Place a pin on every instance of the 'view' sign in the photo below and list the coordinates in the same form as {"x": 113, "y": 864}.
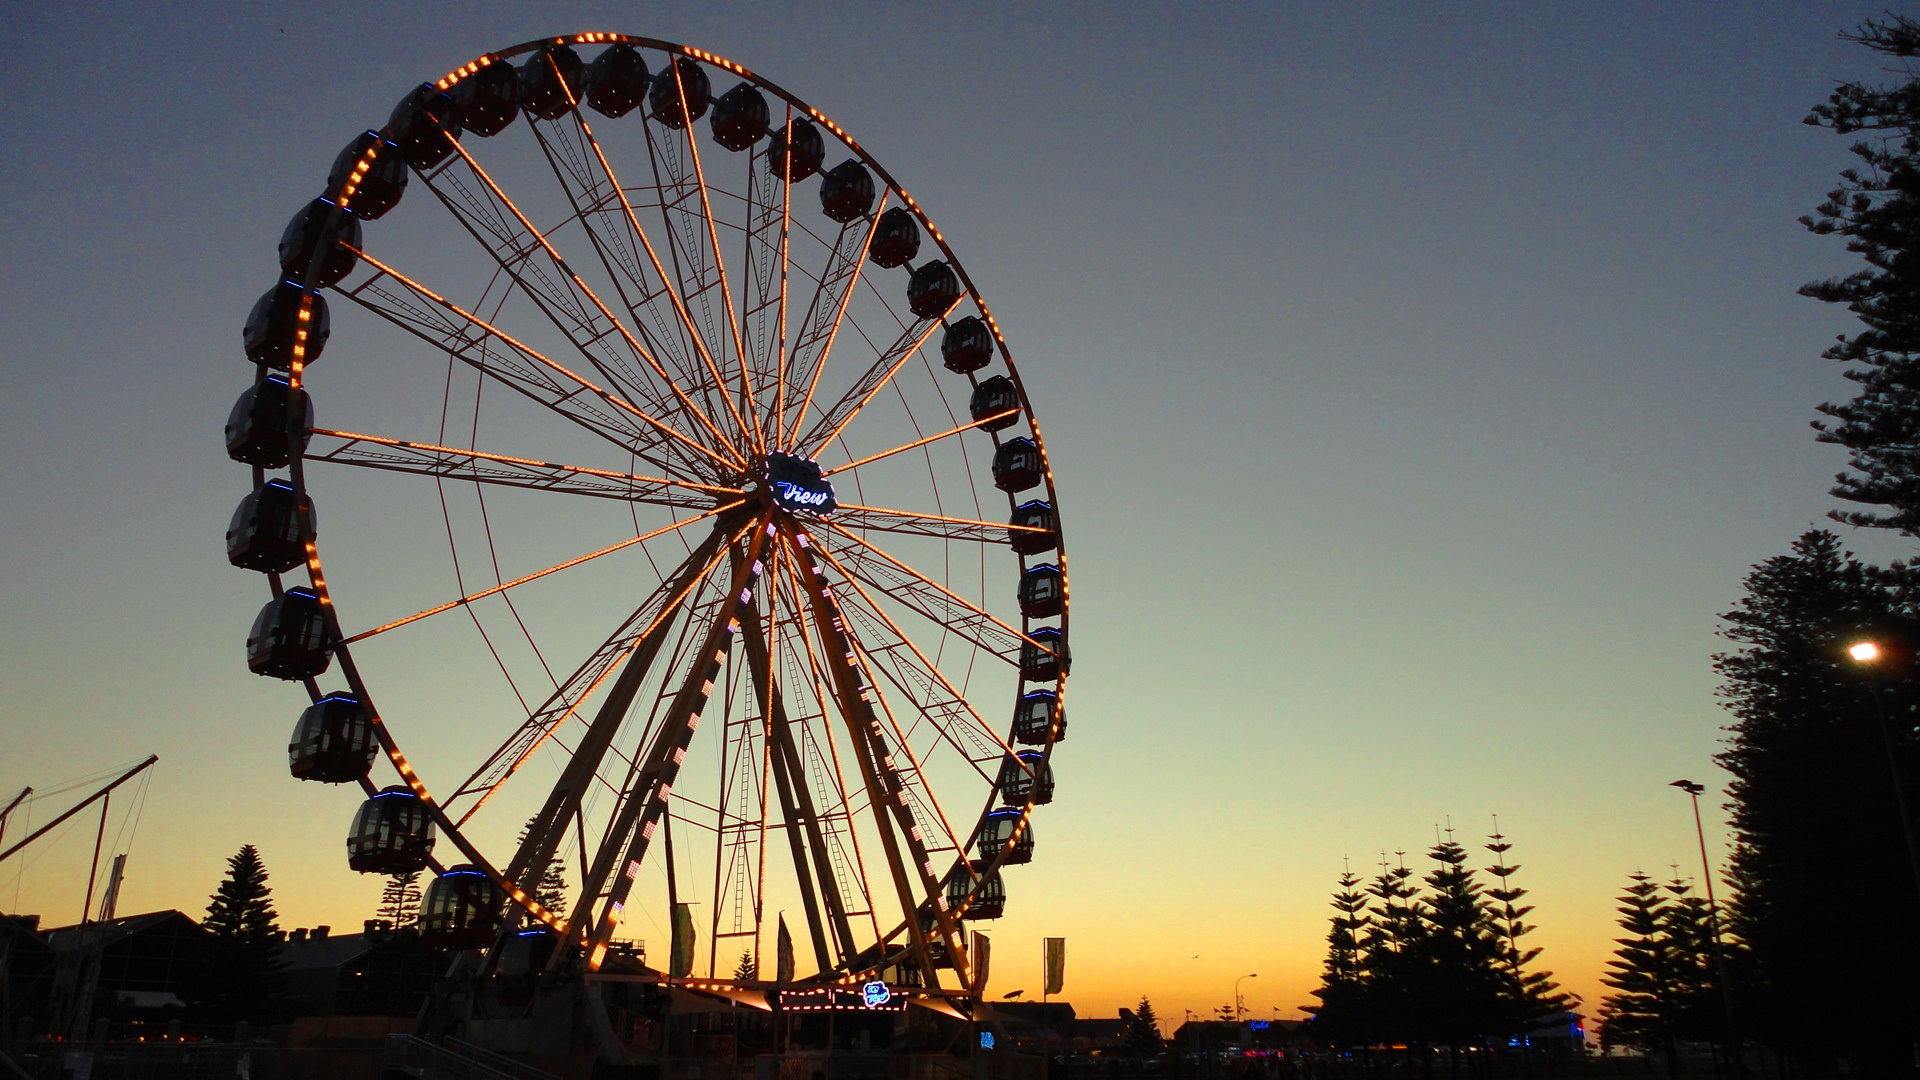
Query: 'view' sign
{"x": 796, "y": 484}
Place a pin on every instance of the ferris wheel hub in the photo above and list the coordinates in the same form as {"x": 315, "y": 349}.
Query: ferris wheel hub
{"x": 794, "y": 484}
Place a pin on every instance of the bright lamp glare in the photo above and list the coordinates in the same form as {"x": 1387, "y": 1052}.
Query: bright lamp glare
{"x": 1865, "y": 652}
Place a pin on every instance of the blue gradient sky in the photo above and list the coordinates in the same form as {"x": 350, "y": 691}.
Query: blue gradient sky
{"x": 1420, "y": 380}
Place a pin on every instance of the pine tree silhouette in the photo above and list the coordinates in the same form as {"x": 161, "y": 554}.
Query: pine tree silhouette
{"x": 245, "y": 978}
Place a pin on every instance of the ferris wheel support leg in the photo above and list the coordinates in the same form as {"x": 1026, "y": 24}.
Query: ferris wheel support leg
{"x": 645, "y": 803}
{"x": 549, "y": 829}
{"x": 796, "y": 805}
{"x": 886, "y": 794}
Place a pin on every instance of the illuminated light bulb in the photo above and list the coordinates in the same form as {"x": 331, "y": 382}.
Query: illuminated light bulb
{"x": 1865, "y": 652}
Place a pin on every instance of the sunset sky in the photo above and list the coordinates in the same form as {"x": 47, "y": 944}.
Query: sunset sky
{"x": 1420, "y": 381}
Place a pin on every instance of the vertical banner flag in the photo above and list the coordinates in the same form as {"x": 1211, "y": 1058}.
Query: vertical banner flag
{"x": 982, "y": 952}
{"x": 682, "y": 957}
{"x": 783, "y": 951}
{"x": 1056, "y": 964}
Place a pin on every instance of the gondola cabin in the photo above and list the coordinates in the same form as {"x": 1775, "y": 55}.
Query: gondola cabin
{"x": 1033, "y": 529}
{"x": 269, "y": 529}
{"x": 966, "y": 346}
{"x": 989, "y": 895}
{"x": 1045, "y": 656}
{"x": 796, "y": 151}
{"x": 896, "y": 238}
{"x": 933, "y": 289}
{"x": 680, "y": 94}
{"x": 518, "y": 959}
{"x": 289, "y": 637}
{"x": 739, "y": 118}
{"x": 995, "y": 404}
{"x": 333, "y": 741}
{"x": 1037, "y": 714}
{"x": 424, "y": 125}
{"x": 550, "y": 81}
{"x": 286, "y": 323}
{"x": 1017, "y": 465}
{"x": 321, "y": 229}
{"x": 392, "y": 834}
{"x": 1025, "y": 777}
{"x": 461, "y": 910}
{"x": 616, "y": 81}
{"x": 258, "y": 431}
{"x": 998, "y": 829}
{"x": 1043, "y": 591}
{"x": 368, "y": 177}
{"x": 846, "y": 192}
{"x": 488, "y": 100}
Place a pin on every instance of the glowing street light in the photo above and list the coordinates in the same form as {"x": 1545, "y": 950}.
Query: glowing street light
{"x": 1868, "y": 653}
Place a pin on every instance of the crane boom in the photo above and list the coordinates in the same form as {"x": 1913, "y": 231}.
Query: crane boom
{"x": 79, "y": 806}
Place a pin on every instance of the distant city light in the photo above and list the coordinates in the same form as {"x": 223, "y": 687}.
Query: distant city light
{"x": 1865, "y": 652}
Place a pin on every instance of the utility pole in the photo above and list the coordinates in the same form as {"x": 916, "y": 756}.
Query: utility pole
{"x": 1735, "y": 1044}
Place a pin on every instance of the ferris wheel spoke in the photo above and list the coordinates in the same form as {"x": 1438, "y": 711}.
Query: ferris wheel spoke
{"x": 763, "y": 316}
{"x": 835, "y": 419}
{"x": 747, "y": 396}
{"x": 598, "y": 195}
{"x": 886, "y": 791}
{"x": 453, "y": 463}
{"x": 679, "y": 182}
{"x": 580, "y": 314}
{"x": 452, "y": 330}
{"x": 918, "y": 443}
{"x": 580, "y": 383}
{"x": 495, "y": 590}
{"x": 527, "y": 258}
{"x": 912, "y": 779}
{"x": 917, "y": 677}
{"x": 825, "y": 312}
{"x": 632, "y": 644}
{"x": 921, "y": 594}
{"x": 912, "y": 523}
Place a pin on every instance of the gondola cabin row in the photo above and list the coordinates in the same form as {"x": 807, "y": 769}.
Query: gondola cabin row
{"x": 989, "y": 898}
{"x": 333, "y": 741}
{"x": 392, "y": 834}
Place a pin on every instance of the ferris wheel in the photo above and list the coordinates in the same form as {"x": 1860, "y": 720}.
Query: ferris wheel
{"x": 686, "y": 516}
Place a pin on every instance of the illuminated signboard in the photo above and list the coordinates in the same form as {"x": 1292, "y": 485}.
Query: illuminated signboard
{"x": 986, "y": 1040}
{"x": 875, "y": 994}
{"x": 796, "y": 484}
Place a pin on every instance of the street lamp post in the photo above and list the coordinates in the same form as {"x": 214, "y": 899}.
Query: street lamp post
{"x": 1738, "y": 1049}
{"x": 1868, "y": 655}
{"x": 1237, "y": 1010}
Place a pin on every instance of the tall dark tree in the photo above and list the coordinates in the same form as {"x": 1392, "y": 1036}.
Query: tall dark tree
{"x": 245, "y": 976}
{"x": 748, "y": 969}
{"x": 1142, "y": 1035}
{"x": 1877, "y": 208}
{"x": 1392, "y": 952}
{"x": 1699, "y": 1010}
{"x": 1340, "y": 1017}
{"x": 1641, "y": 1013}
{"x": 1532, "y": 997}
{"x": 551, "y": 887}
{"x": 1458, "y": 974}
{"x": 1825, "y": 908}
{"x": 400, "y": 901}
